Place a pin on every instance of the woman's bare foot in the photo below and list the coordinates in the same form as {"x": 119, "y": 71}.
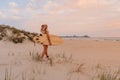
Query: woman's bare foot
{"x": 41, "y": 60}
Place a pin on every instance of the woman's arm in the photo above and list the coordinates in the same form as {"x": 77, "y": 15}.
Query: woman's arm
{"x": 48, "y": 37}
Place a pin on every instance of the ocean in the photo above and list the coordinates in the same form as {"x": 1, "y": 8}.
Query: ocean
{"x": 95, "y": 38}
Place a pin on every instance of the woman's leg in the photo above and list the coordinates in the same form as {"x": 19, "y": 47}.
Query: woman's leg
{"x": 44, "y": 51}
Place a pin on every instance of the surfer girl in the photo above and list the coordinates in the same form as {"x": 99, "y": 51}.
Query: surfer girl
{"x": 44, "y": 30}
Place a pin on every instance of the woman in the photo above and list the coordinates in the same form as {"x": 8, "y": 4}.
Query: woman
{"x": 44, "y": 30}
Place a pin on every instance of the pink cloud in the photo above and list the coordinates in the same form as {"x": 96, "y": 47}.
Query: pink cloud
{"x": 2, "y": 15}
{"x": 13, "y": 4}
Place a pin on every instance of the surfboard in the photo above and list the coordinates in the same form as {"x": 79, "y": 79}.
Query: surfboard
{"x": 42, "y": 39}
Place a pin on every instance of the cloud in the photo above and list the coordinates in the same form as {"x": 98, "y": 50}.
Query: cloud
{"x": 14, "y": 8}
{"x": 33, "y": 7}
{"x": 16, "y": 17}
{"x": 13, "y": 4}
{"x": 2, "y": 15}
{"x": 83, "y": 3}
{"x": 113, "y": 23}
{"x": 52, "y": 7}
{"x": 74, "y": 6}
{"x": 15, "y": 11}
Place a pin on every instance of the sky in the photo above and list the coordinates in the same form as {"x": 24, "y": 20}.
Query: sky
{"x": 97, "y": 18}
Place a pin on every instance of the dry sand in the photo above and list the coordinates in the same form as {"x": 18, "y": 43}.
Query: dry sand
{"x": 88, "y": 56}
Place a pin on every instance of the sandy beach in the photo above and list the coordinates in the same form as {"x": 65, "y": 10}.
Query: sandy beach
{"x": 81, "y": 59}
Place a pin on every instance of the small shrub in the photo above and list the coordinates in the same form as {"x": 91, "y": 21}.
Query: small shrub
{"x": 35, "y": 57}
{"x": 107, "y": 75}
{"x": 63, "y": 58}
{"x": 18, "y": 40}
{"x": 7, "y": 75}
{"x": 15, "y": 40}
{"x": 1, "y": 38}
